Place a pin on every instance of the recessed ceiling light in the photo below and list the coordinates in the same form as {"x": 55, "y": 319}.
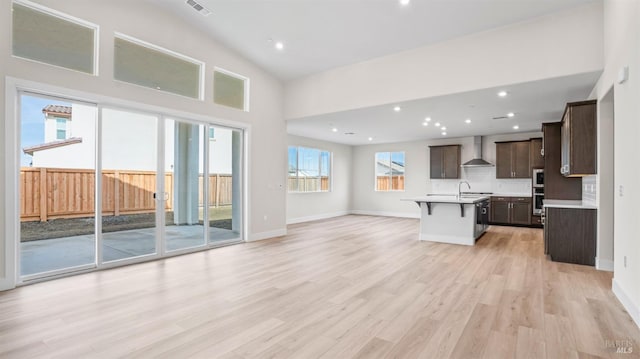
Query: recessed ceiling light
{"x": 370, "y": 138}
{"x": 443, "y": 128}
{"x": 427, "y": 119}
{"x": 425, "y": 123}
{"x": 404, "y": 2}
{"x": 437, "y": 124}
{"x": 397, "y": 109}
{"x": 516, "y": 127}
{"x": 334, "y": 129}
{"x": 467, "y": 120}
{"x": 502, "y": 93}
{"x": 279, "y": 45}
{"x": 511, "y": 114}
{"x": 444, "y": 133}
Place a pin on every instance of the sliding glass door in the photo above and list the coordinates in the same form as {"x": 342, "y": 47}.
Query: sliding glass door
{"x": 130, "y": 197}
{"x": 56, "y": 185}
{"x": 225, "y": 185}
{"x": 105, "y": 186}
{"x": 184, "y": 185}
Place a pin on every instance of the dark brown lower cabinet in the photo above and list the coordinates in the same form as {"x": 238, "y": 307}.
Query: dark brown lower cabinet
{"x": 570, "y": 235}
{"x": 536, "y": 221}
{"x": 510, "y": 210}
{"x": 499, "y": 211}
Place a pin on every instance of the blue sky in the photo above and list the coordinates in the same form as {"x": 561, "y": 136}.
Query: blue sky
{"x": 32, "y": 126}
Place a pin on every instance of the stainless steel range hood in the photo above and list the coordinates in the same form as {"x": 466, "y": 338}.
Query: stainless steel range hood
{"x": 477, "y": 160}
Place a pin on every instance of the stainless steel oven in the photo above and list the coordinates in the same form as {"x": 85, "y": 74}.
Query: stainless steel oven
{"x": 538, "y": 196}
{"x": 538, "y": 178}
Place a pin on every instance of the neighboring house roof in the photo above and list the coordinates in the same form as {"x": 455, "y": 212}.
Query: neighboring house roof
{"x": 49, "y": 145}
{"x": 394, "y": 167}
{"x": 57, "y": 110}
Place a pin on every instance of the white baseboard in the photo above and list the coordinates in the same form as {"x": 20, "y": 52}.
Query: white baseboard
{"x": 386, "y": 214}
{"x": 604, "y": 264}
{"x": 627, "y": 303}
{"x": 6, "y": 284}
{"x": 317, "y": 217}
{"x": 266, "y": 235}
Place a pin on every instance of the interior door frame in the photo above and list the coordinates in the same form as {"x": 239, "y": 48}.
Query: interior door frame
{"x": 13, "y": 88}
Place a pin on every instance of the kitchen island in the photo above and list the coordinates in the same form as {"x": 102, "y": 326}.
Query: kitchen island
{"x": 452, "y": 219}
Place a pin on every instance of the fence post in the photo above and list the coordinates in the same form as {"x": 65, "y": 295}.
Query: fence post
{"x": 217, "y": 190}
{"x": 116, "y": 193}
{"x": 43, "y": 195}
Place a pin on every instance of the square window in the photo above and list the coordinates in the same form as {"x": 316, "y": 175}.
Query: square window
{"x": 229, "y": 89}
{"x": 389, "y": 174}
{"x": 309, "y": 170}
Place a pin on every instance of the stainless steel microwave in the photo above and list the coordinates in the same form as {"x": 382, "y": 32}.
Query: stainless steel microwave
{"x": 538, "y": 178}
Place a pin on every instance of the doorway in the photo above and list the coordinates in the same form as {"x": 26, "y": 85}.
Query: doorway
{"x": 606, "y": 184}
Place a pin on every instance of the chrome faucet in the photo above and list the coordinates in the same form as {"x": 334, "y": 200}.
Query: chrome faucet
{"x": 460, "y": 184}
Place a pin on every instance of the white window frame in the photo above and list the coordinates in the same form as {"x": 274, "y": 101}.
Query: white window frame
{"x": 73, "y": 19}
{"x": 375, "y": 172}
{"x": 330, "y": 169}
{"x": 247, "y": 85}
{"x": 65, "y": 128}
{"x": 148, "y": 45}
{"x": 14, "y": 87}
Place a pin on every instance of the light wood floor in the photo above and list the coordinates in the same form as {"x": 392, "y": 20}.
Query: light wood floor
{"x": 354, "y": 286}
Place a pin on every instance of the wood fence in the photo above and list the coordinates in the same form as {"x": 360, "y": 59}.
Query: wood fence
{"x": 308, "y": 184}
{"x": 383, "y": 183}
{"x": 49, "y": 193}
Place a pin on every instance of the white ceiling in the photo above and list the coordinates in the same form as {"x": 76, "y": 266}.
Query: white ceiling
{"x": 322, "y": 34}
{"x": 532, "y": 103}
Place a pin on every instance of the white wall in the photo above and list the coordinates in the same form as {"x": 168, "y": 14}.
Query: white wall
{"x": 143, "y": 20}
{"x": 622, "y": 48}
{"x": 559, "y": 44}
{"x": 302, "y": 207}
{"x": 417, "y": 182}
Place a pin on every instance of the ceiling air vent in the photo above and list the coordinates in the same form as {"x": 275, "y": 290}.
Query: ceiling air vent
{"x": 199, "y": 8}
{"x": 500, "y": 118}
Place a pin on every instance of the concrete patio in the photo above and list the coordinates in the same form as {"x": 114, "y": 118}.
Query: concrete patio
{"x": 58, "y": 253}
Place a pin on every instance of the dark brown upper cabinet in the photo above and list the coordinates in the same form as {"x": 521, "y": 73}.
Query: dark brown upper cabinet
{"x": 444, "y": 161}
{"x": 557, "y": 186}
{"x": 537, "y": 159}
{"x": 579, "y": 142}
{"x": 512, "y": 159}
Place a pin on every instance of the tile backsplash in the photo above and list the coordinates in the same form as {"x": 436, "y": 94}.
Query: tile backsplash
{"x": 589, "y": 189}
{"x": 483, "y": 179}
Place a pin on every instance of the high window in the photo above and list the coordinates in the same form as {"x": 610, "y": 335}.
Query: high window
{"x": 309, "y": 170}
{"x": 230, "y": 90}
{"x": 151, "y": 66}
{"x": 50, "y": 37}
{"x": 390, "y": 171}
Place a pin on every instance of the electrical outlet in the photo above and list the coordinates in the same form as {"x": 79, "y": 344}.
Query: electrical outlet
{"x": 265, "y": 217}
{"x": 621, "y": 190}
{"x": 624, "y": 261}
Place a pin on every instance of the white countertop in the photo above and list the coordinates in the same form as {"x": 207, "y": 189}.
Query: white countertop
{"x": 562, "y": 203}
{"x": 448, "y": 199}
{"x": 528, "y": 194}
